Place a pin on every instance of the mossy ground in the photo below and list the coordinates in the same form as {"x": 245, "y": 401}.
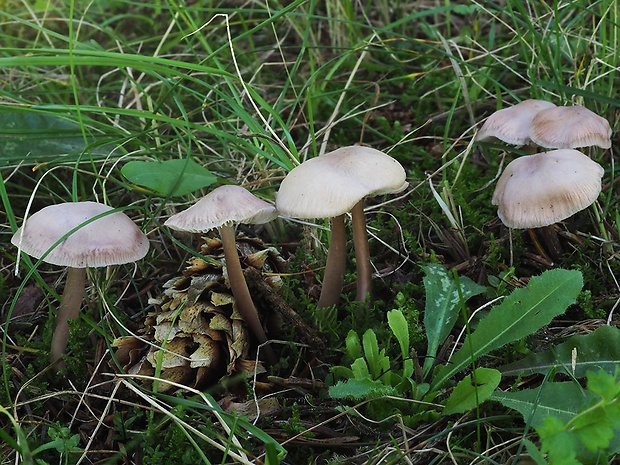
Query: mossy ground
{"x": 245, "y": 89}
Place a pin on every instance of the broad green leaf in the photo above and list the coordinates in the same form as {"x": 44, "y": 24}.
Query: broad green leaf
{"x": 603, "y": 384}
{"x": 560, "y": 445}
{"x": 342, "y": 371}
{"x": 587, "y": 417}
{"x": 599, "y": 349}
{"x": 400, "y": 328}
{"x": 32, "y": 137}
{"x": 169, "y": 178}
{"x": 442, "y": 306}
{"x": 360, "y": 389}
{"x": 563, "y": 400}
{"x": 386, "y": 372}
{"x": 398, "y": 325}
{"x": 353, "y": 345}
{"x": 371, "y": 352}
{"x": 472, "y": 391}
{"x": 360, "y": 369}
{"x": 522, "y": 313}
{"x": 594, "y": 432}
{"x": 598, "y": 425}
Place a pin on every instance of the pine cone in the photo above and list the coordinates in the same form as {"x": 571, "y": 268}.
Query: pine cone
{"x": 196, "y": 337}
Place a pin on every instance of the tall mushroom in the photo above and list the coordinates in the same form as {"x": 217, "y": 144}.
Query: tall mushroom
{"x": 221, "y": 209}
{"x": 331, "y": 185}
{"x": 541, "y": 189}
{"x": 78, "y": 235}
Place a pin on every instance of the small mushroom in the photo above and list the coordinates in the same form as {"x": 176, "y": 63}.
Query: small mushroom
{"x": 78, "y": 235}
{"x": 570, "y": 127}
{"x": 541, "y": 189}
{"x": 222, "y": 208}
{"x": 331, "y": 185}
{"x": 513, "y": 125}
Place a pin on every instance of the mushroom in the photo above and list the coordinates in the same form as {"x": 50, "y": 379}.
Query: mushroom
{"x": 541, "y": 189}
{"x": 570, "y": 127}
{"x": 331, "y": 185}
{"x": 222, "y": 208}
{"x": 78, "y": 235}
{"x": 537, "y": 122}
{"x": 513, "y": 125}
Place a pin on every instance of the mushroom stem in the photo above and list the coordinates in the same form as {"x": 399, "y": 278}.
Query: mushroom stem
{"x": 551, "y": 240}
{"x": 362, "y": 252}
{"x": 69, "y": 309}
{"x": 537, "y": 245}
{"x": 333, "y": 277}
{"x": 239, "y": 288}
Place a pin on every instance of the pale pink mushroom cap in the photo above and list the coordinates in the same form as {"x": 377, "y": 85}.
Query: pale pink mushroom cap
{"x": 542, "y": 189}
{"x": 512, "y": 125}
{"x": 569, "y": 128}
{"x": 223, "y": 205}
{"x": 113, "y": 239}
{"x": 331, "y": 184}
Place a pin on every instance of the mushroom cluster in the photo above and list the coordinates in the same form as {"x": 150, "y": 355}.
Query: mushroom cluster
{"x": 538, "y": 190}
{"x": 331, "y": 185}
{"x": 195, "y": 323}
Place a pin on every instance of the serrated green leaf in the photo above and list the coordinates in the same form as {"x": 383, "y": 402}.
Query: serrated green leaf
{"x": 472, "y": 391}
{"x": 522, "y": 313}
{"x": 360, "y": 389}
{"x": 563, "y": 400}
{"x": 371, "y": 353}
{"x": 442, "y": 306}
{"x": 353, "y": 345}
{"x": 599, "y": 349}
{"x": 560, "y": 445}
{"x": 172, "y": 178}
{"x": 603, "y": 384}
{"x": 593, "y": 431}
{"x": 360, "y": 369}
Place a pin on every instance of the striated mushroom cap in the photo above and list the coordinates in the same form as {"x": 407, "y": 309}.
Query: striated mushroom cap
{"x": 113, "y": 239}
{"x": 331, "y": 184}
{"x": 542, "y": 189}
{"x": 225, "y": 204}
{"x": 569, "y": 128}
{"x": 512, "y": 125}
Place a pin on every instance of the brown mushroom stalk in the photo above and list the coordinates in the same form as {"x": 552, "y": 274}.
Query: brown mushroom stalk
{"x": 78, "y": 235}
{"x": 333, "y": 277}
{"x": 239, "y": 288}
{"x": 68, "y": 310}
{"x": 362, "y": 252}
{"x": 221, "y": 209}
{"x": 332, "y": 185}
